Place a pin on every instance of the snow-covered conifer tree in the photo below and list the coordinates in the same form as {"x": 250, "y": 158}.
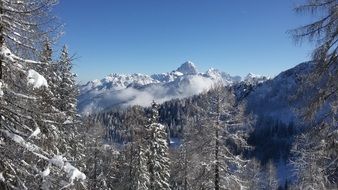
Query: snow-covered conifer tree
{"x": 140, "y": 171}
{"x": 158, "y": 158}
{"x": 135, "y": 174}
{"x": 321, "y": 113}
{"x": 66, "y": 92}
{"x": 213, "y": 141}
{"x": 100, "y": 160}
{"x": 48, "y": 68}
{"x": 221, "y": 140}
{"x": 29, "y": 157}
{"x": 68, "y": 89}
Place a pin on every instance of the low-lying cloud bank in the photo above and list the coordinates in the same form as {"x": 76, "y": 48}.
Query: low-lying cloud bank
{"x": 185, "y": 86}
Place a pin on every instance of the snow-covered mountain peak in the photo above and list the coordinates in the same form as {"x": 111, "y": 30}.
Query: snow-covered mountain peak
{"x": 214, "y": 74}
{"x": 211, "y": 70}
{"x": 117, "y": 82}
{"x": 222, "y": 77}
{"x": 251, "y": 75}
{"x": 140, "y": 89}
{"x": 188, "y": 68}
{"x": 255, "y": 79}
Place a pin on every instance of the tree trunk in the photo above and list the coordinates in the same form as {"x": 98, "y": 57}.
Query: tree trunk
{"x": 151, "y": 165}
{"x": 217, "y": 176}
{"x": 216, "y": 159}
{"x": 185, "y": 171}
{"x": 2, "y": 184}
{"x": 2, "y": 39}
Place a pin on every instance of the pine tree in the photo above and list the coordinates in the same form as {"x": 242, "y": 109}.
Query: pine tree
{"x": 158, "y": 158}
{"x": 48, "y": 68}
{"x": 29, "y": 155}
{"x": 66, "y": 101}
{"x": 183, "y": 164}
{"x": 68, "y": 89}
{"x": 252, "y": 174}
{"x": 321, "y": 112}
{"x": 270, "y": 176}
{"x": 135, "y": 174}
{"x": 138, "y": 149}
{"x": 213, "y": 142}
{"x": 324, "y": 33}
{"x": 141, "y": 173}
{"x": 314, "y": 168}
{"x": 100, "y": 160}
{"x": 227, "y": 138}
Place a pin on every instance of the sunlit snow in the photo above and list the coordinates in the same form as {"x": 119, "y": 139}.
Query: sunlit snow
{"x": 36, "y": 80}
{"x": 1, "y": 91}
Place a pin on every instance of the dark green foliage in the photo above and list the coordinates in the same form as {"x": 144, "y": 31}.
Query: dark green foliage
{"x": 271, "y": 139}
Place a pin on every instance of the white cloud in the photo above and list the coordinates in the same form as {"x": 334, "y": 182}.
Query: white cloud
{"x": 180, "y": 88}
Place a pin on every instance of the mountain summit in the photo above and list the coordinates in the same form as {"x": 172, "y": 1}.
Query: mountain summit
{"x": 139, "y": 89}
{"x": 188, "y": 68}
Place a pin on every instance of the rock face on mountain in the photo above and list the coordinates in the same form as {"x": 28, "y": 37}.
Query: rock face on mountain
{"x": 187, "y": 68}
{"x": 139, "y": 89}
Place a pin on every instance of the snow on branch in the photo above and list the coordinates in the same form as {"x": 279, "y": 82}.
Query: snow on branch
{"x": 72, "y": 172}
{"x": 58, "y": 160}
{"x": 35, "y": 79}
{"x": 1, "y": 86}
{"x": 35, "y": 133}
{"x": 7, "y": 53}
{"x": 21, "y": 141}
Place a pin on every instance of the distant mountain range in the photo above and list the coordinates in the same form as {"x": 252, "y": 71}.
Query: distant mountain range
{"x": 139, "y": 89}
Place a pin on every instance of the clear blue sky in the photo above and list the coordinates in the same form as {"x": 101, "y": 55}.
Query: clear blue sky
{"x": 155, "y": 36}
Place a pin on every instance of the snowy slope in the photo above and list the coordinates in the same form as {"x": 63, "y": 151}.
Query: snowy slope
{"x": 139, "y": 89}
{"x": 273, "y": 98}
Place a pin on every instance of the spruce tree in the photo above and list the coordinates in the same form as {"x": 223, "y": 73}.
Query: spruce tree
{"x": 67, "y": 92}
{"x": 68, "y": 89}
{"x": 134, "y": 171}
{"x": 100, "y": 159}
{"x": 158, "y": 158}
{"x": 29, "y": 131}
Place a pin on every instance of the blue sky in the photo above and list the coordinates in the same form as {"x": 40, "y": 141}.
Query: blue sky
{"x": 155, "y": 36}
